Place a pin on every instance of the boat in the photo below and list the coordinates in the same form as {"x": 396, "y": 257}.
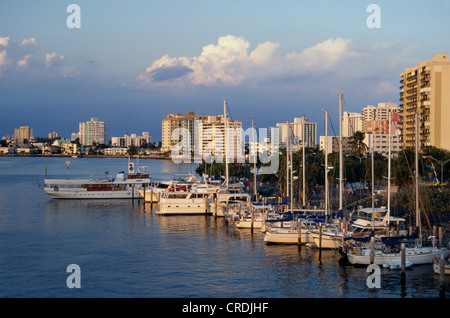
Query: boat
{"x": 376, "y": 221}
{"x": 408, "y": 264}
{"x": 153, "y": 193}
{"x": 418, "y": 255}
{"x": 387, "y": 251}
{"x": 124, "y": 186}
{"x": 437, "y": 266}
{"x": 197, "y": 201}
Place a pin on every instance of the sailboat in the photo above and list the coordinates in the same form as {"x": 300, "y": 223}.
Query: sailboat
{"x": 388, "y": 252}
{"x": 292, "y": 234}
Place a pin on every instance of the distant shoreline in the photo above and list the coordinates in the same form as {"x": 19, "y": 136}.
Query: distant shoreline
{"x": 84, "y": 156}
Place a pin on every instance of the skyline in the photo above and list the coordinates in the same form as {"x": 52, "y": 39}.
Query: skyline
{"x": 131, "y": 65}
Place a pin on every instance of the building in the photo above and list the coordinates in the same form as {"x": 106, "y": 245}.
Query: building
{"x": 53, "y": 135}
{"x": 22, "y": 134}
{"x": 379, "y": 113}
{"x": 203, "y": 135}
{"x": 185, "y": 122}
{"x": 131, "y": 140}
{"x": 93, "y": 131}
{"x": 425, "y": 90}
{"x": 381, "y": 143}
{"x": 351, "y": 123}
{"x": 299, "y": 130}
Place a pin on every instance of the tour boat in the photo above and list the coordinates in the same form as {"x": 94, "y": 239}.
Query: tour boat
{"x": 124, "y": 186}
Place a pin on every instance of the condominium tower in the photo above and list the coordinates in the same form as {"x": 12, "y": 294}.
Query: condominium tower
{"x": 425, "y": 90}
{"x": 93, "y": 131}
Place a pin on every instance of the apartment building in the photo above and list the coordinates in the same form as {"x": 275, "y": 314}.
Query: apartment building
{"x": 425, "y": 90}
{"x": 93, "y": 131}
{"x": 300, "y": 129}
{"x": 131, "y": 140}
{"x": 351, "y": 123}
{"x": 21, "y": 134}
{"x": 204, "y": 135}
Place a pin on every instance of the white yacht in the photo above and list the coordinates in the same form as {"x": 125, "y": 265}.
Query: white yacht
{"x": 124, "y": 186}
{"x": 183, "y": 202}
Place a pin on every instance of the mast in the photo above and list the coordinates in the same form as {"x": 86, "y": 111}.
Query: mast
{"x": 389, "y": 169}
{"x": 373, "y": 181}
{"x": 225, "y": 140}
{"x": 418, "y": 223}
{"x": 303, "y": 162}
{"x": 326, "y": 163}
{"x": 341, "y": 155}
{"x": 287, "y": 160}
{"x": 254, "y": 161}
{"x": 291, "y": 175}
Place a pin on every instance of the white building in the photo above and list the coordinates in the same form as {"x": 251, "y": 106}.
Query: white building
{"x": 381, "y": 143}
{"x": 131, "y": 140}
{"x": 299, "y": 130}
{"x": 351, "y": 123}
{"x": 93, "y": 131}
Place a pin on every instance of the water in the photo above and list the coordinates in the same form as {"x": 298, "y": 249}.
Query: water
{"x": 126, "y": 251}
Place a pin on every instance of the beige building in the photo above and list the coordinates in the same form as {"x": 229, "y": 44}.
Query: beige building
{"x": 21, "y": 134}
{"x": 300, "y": 130}
{"x": 205, "y": 135}
{"x": 425, "y": 90}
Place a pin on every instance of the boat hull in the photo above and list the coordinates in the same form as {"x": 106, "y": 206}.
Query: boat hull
{"x": 82, "y": 194}
{"x": 329, "y": 241}
{"x": 416, "y": 256}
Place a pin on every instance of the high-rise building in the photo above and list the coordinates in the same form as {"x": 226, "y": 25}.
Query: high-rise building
{"x": 299, "y": 130}
{"x": 23, "y": 133}
{"x": 425, "y": 90}
{"x": 93, "y": 131}
{"x": 380, "y": 113}
{"x": 351, "y": 123}
{"x": 204, "y": 135}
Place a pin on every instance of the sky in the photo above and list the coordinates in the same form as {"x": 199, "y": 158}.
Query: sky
{"x": 131, "y": 63}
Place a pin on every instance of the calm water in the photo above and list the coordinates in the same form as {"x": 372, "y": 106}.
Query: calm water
{"x": 124, "y": 250}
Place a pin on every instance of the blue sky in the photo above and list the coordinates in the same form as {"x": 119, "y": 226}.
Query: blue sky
{"x": 133, "y": 62}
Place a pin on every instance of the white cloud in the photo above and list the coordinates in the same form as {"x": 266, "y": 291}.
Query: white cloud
{"x": 4, "y": 41}
{"x": 23, "y": 62}
{"x": 230, "y": 62}
{"x": 53, "y": 59}
{"x": 30, "y": 41}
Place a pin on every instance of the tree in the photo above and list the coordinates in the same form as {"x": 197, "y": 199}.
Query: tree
{"x": 358, "y": 145}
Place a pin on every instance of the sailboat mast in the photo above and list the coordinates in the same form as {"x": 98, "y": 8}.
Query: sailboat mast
{"x": 254, "y": 161}
{"x": 225, "y": 140}
{"x": 418, "y": 222}
{"x": 372, "y": 150}
{"x": 287, "y": 160}
{"x": 326, "y": 163}
{"x": 304, "y": 161}
{"x": 389, "y": 169}
{"x": 341, "y": 156}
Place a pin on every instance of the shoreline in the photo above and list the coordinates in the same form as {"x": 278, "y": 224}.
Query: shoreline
{"x": 84, "y": 156}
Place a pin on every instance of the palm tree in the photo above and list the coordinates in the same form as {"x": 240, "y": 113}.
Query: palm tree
{"x": 359, "y": 147}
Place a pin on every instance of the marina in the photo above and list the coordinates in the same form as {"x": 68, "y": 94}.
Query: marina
{"x": 125, "y": 249}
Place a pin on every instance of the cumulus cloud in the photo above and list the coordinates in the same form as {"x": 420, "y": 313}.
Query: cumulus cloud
{"x": 4, "y": 41}
{"x": 19, "y": 58}
{"x": 22, "y": 63}
{"x": 30, "y": 41}
{"x": 231, "y": 62}
{"x": 52, "y": 59}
